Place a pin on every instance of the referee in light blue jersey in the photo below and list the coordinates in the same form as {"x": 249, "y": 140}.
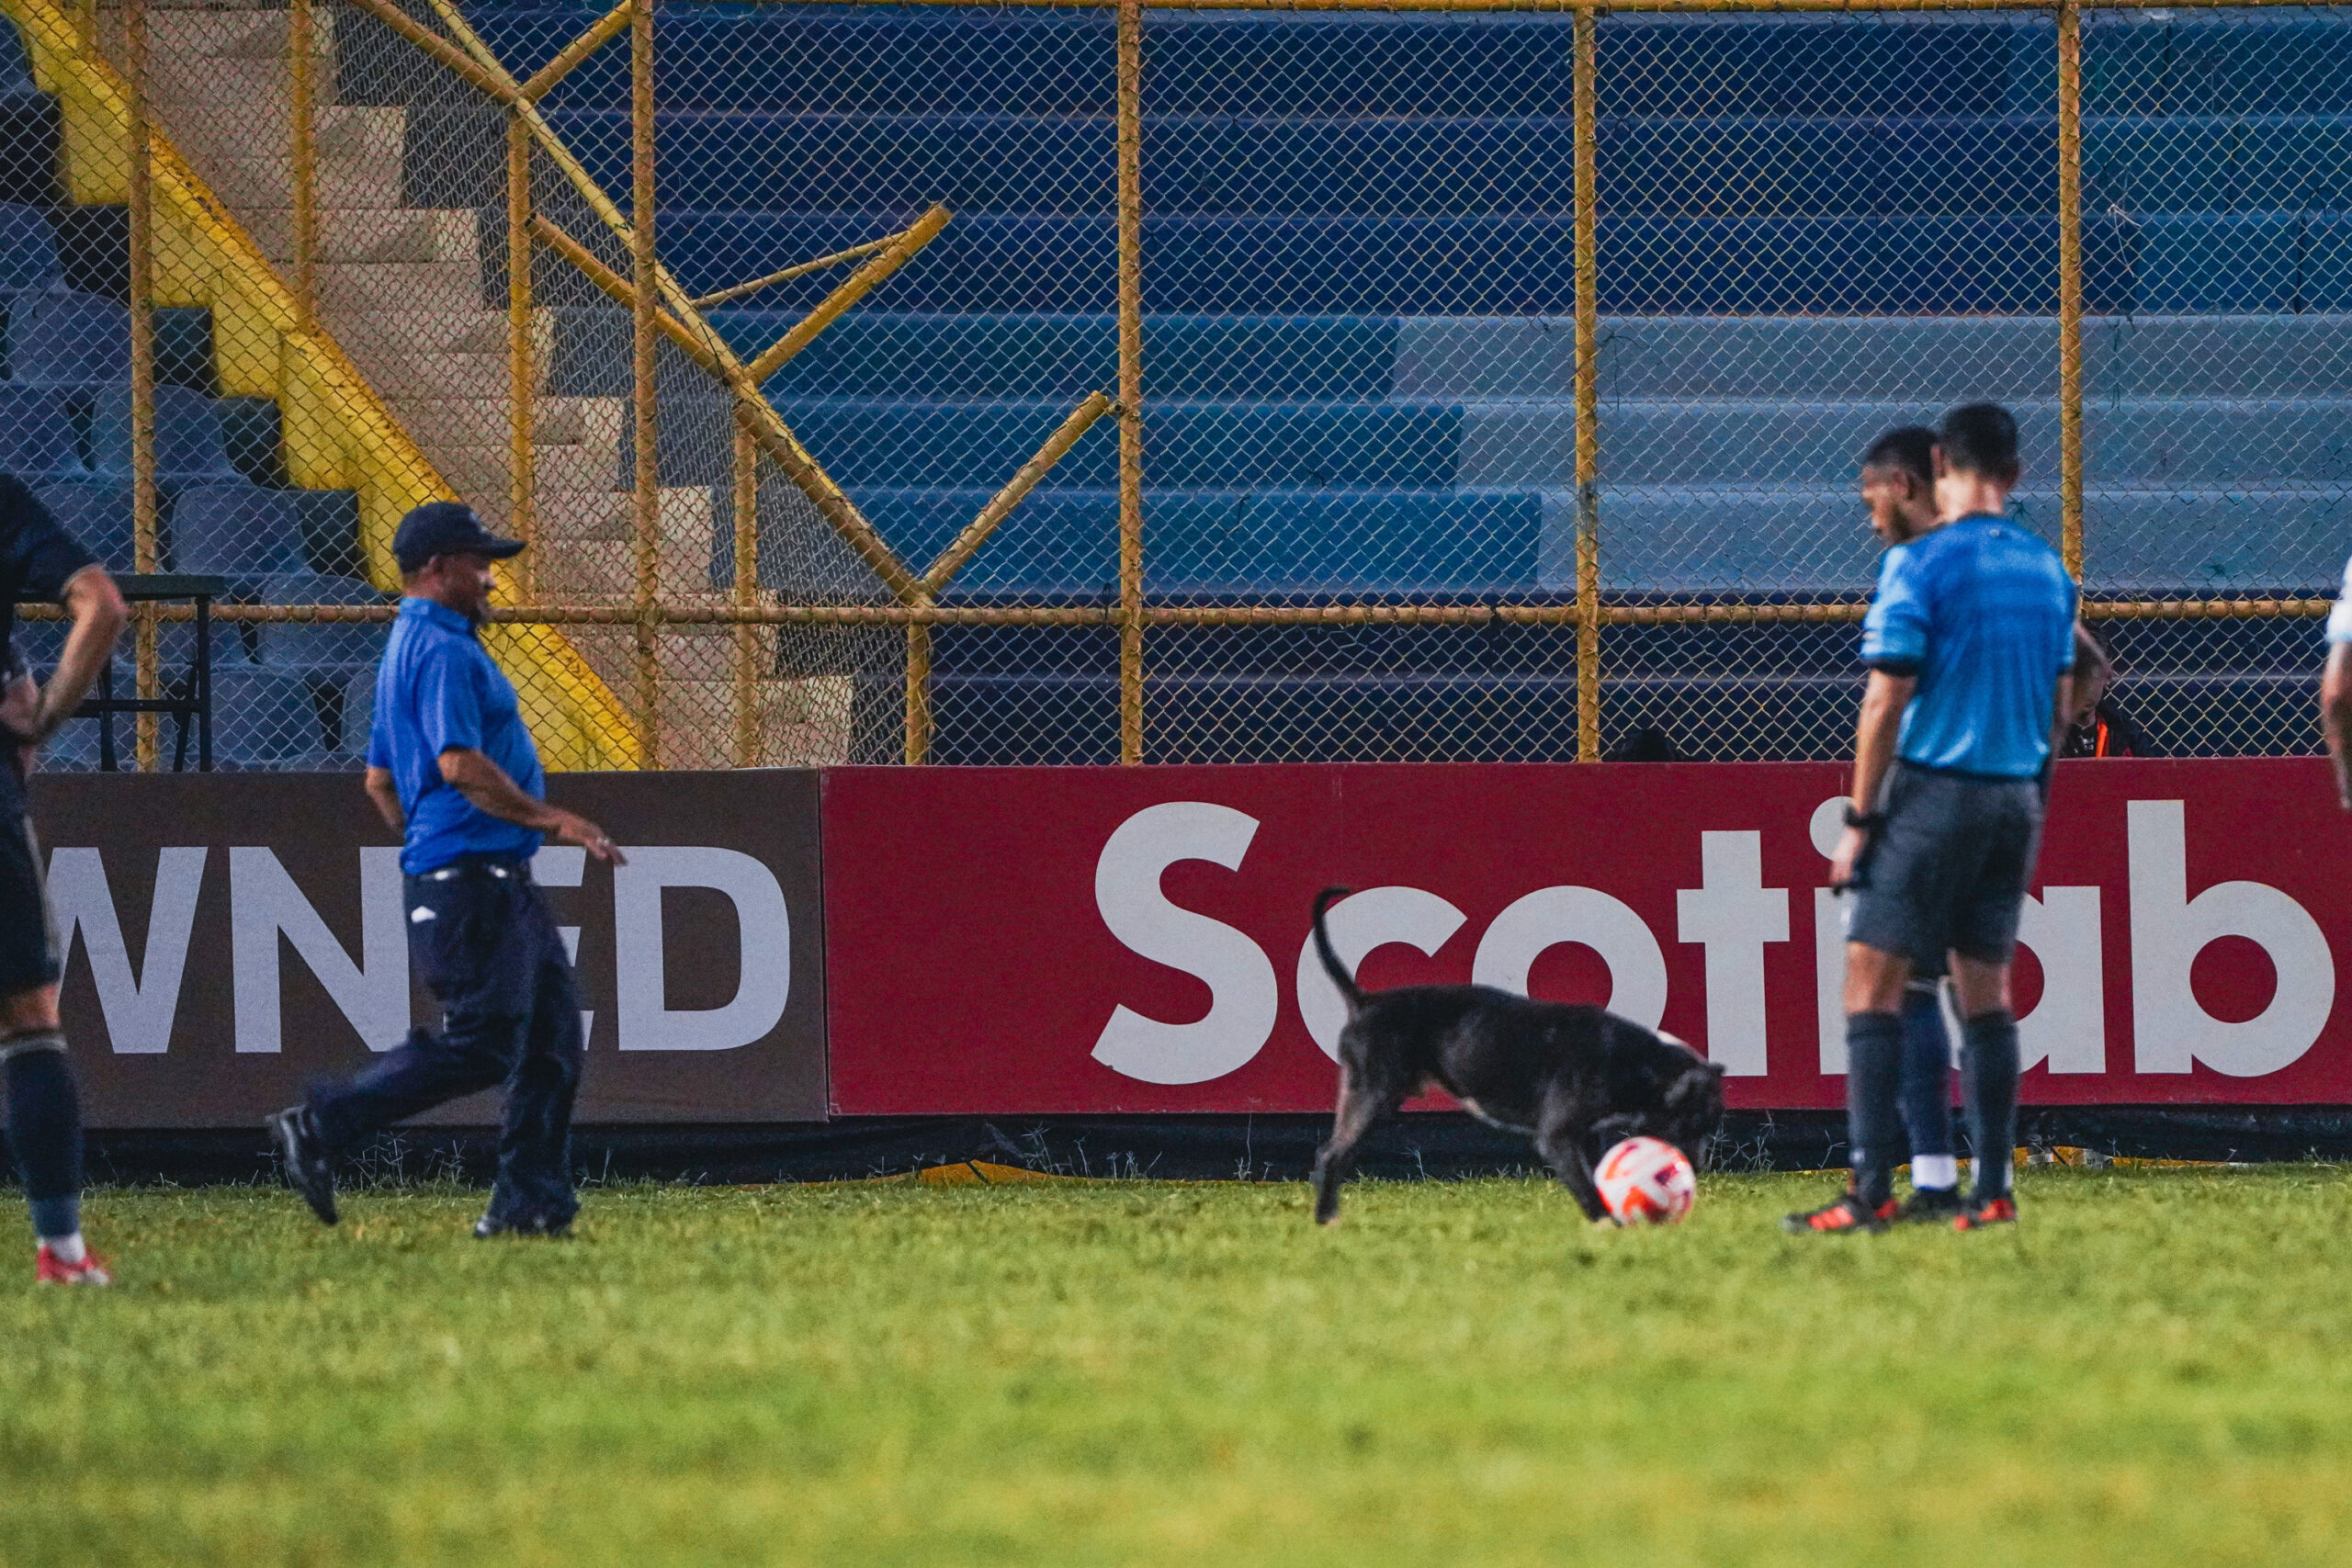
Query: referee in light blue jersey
{"x": 450, "y": 765}
{"x": 1970, "y": 641}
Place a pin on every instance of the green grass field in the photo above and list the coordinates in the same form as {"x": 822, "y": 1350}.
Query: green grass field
{"x": 2156, "y": 1368}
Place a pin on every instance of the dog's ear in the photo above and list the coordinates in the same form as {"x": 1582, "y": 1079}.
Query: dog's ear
{"x": 1699, "y": 1080}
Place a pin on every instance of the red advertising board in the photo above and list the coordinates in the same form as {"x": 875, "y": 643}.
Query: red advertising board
{"x": 1052, "y": 940}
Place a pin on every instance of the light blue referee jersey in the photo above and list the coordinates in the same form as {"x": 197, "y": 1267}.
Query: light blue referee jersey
{"x": 1982, "y": 611}
{"x": 2339, "y": 619}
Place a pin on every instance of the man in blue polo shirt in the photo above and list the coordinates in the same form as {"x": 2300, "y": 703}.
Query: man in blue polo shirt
{"x": 1970, "y": 640}
{"x": 450, "y": 765}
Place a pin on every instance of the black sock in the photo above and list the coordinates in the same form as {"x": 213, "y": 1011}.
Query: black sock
{"x": 1873, "y": 1073}
{"x": 1927, "y": 1077}
{"x": 45, "y": 1132}
{"x": 1988, "y": 1070}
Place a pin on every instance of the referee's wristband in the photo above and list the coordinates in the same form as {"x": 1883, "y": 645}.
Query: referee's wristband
{"x": 1866, "y": 821}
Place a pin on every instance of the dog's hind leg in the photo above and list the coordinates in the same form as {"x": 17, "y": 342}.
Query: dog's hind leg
{"x": 1360, "y": 1107}
{"x": 1558, "y": 1139}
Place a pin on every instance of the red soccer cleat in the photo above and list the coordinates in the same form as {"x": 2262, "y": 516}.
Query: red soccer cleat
{"x": 52, "y": 1269}
{"x": 1847, "y": 1216}
{"x": 1978, "y": 1217}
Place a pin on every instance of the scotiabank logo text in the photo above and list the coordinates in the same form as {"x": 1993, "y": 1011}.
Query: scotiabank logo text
{"x": 1737, "y": 922}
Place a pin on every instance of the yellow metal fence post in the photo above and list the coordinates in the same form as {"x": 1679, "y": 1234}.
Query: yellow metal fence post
{"x": 1588, "y": 396}
{"x": 747, "y": 594}
{"x": 645, "y": 534}
{"x": 299, "y": 68}
{"x": 522, "y": 374}
{"x": 2070, "y": 285}
{"x": 1130, "y": 200}
{"x": 918, "y": 694}
{"x": 140, "y": 194}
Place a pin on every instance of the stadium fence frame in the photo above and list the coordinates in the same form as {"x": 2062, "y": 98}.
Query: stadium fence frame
{"x": 662, "y": 309}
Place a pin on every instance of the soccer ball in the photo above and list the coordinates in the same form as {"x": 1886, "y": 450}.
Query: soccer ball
{"x": 1646, "y": 1182}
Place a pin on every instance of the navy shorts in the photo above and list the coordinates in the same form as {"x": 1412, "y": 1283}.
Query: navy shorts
{"x": 1948, "y": 870}
{"x": 28, "y": 957}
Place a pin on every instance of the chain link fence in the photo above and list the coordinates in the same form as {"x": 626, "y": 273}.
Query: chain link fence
{"x": 1088, "y": 384}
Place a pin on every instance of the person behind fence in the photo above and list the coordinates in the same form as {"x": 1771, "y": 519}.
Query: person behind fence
{"x": 40, "y": 560}
{"x": 452, "y": 767}
{"x": 1898, "y": 488}
{"x": 2336, "y": 692}
{"x": 1970, "y": 647}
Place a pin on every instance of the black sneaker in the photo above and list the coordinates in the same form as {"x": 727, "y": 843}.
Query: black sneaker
{"x": 1930, "y": 1206}
{"x": 306, "y": 1164}
{"x": 1847, "y": 1216}
{"x": 490, "y": 1225}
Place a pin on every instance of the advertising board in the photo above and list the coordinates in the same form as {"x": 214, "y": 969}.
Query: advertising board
{"x": 230, "y": 936}
{"x": 1134, "y": 940}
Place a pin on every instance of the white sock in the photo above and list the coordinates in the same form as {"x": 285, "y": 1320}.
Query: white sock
{"x": 1935, "y": 1170}
{"x": 66, "y": 1250}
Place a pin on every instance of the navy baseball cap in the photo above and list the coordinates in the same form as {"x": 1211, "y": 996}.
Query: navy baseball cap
{"x": 446, "y": 528}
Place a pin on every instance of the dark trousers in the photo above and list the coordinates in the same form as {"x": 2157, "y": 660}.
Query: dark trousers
{"x": 480, "y": 934}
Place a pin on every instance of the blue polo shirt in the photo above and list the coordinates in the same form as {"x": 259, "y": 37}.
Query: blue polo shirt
{"x": 437, "y": 688}
{"x": 1982, "y": 611}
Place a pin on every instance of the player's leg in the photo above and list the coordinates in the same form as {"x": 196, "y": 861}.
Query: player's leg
{"x": 1926, "y": 1097}
{"x": 1989, "y": 1068}
{"x": 534, "y": 1193}
{"x": 44, "y": 1105}
{"x": 1897, "y": 912}
{"x": 470, "y": 954}
{"x": 1983, "y": 941}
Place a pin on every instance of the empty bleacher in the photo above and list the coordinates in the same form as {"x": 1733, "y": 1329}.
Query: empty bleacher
{"x": 1359, "y": 369}
{"x": 281, "y": 693}
{"x": 1358, "y": 284}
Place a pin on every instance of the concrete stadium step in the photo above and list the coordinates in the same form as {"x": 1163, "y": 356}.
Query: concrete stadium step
{"x": 1649, "y": 265}
{"x": 1814, "y": 539}
{"x": 940, "y": 357}
{"x": 371, "y": 234}
{"x": 1684, "y": 440}
{"x": 877, "y": 353}
{"x": 1750, "y": 166}
{"x": 1272, "y": 64}
{"x": 881, "y": 441}
{"x": 1698, "y": 442}
{"x": 1225, "y": 542}
{"x": 1774, "y": 539}
{"x": 1933, "y": 360}
{"x": 455, "y": 421}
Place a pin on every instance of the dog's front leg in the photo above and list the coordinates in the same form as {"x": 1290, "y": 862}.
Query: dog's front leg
{"x": 1560, "y": 1142}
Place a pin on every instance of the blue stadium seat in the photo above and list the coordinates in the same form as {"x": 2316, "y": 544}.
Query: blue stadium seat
{"x": 335, "y": 649}
{"x": 69, "y": 340}
{"x": 15, "y": 71}
{"x": 265, "y": 719}
{"x": 358, "y": 712}
{"x": 36, "y": 439}
{"x": 237, "y": 530}
{"x": 188, "y": 447}
{"x": 96, "y": 513}
{"x": 28, "y": 259}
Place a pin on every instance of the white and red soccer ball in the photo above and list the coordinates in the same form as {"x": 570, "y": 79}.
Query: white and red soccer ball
{"x": 1646, "y": 1182}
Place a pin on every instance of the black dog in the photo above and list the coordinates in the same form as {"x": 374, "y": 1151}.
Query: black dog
{"x": 1558, "y": 1073}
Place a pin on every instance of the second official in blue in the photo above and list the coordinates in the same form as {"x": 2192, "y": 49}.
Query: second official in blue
{"x": 451, "y": 764}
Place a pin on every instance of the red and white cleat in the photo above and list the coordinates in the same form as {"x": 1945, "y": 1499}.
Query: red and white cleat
{"x": 52, "y": 1269}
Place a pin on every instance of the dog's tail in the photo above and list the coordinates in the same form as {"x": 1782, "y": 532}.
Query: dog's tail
{"x": 1331, "y": 964}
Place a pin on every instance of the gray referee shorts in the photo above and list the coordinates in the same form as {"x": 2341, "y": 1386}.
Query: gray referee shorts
{"x": 1948, "y": 871}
